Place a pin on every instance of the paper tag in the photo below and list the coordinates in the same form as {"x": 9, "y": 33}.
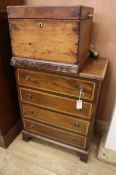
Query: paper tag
{"x": 79, "y": 104}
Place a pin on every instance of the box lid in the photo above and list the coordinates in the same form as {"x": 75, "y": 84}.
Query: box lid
{"x": 50, "y": 12}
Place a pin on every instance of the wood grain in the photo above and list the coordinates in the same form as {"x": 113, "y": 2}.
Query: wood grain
{"x": 95, "y": 68}
{"x": 42, "y": 65}
{"x": 55, "y": 119}
{"x": 55, "y": 41}
{"x": 85, "y": 29}
{"x": 59, "y": 34}
{"x": 92, "y": 69}
{"x": 56, "y": 83}
{"x": 56, "y": 103}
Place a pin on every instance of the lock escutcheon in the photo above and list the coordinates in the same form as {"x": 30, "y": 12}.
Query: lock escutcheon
{"x": 40, "y": 25}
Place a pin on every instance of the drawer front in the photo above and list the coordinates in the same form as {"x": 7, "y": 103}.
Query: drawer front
{"x": 56, "y": 119}
{"x": 53, "y": 40}
{"x": 56, "y": 103}
{"x": 60, "y": 84}
{"x": 55, "y": 134}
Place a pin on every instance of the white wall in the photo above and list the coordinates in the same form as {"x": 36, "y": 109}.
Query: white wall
{"x": 111, "y": 137}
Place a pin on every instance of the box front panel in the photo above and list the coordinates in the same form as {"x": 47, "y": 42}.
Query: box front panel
{"x": 52, "y": 40}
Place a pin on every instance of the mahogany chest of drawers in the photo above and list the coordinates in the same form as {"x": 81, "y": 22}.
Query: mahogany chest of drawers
{"x": 57, "y": 34}
{"x": 44, "y": 41}
{"x": 48, "y": 104}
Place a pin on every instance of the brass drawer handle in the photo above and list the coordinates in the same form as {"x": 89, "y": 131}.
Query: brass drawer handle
{"x": 75, "y": 140}
{"x": 29, "y": 96}
{"x": 30, "y": 112}
{"x": 32, "y": 126}
{"x": 77, "y": 125}
{"x": 27, "y": 78}
{"x": 40, "y": 25}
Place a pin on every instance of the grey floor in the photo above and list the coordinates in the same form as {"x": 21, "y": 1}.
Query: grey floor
{"x": 40, "y": 158}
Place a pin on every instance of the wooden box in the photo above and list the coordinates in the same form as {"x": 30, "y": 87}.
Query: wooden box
{"x": 57, "y": 34}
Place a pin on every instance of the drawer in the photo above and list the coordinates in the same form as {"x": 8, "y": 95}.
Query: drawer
{"x": 56, "y": 103}
{"x": 55, "y": 134}
{"x": 56, "y": 119}
{"x": 60, "y": 84}
{"x": 45, "y": 39}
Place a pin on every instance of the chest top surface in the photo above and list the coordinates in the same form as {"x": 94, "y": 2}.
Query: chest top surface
{"x": 92, "y": 69}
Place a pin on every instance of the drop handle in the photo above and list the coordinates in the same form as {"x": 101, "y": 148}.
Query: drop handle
{"x": 81, "y": 92}
{"x": 27, "y": 78}
{"x": 29, "y": 96}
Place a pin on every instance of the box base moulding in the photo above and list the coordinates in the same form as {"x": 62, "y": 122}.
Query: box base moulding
{"x": 49, "y": 66}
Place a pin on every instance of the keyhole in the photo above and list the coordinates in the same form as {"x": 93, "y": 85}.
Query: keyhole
{"x": 40, "y": 25}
